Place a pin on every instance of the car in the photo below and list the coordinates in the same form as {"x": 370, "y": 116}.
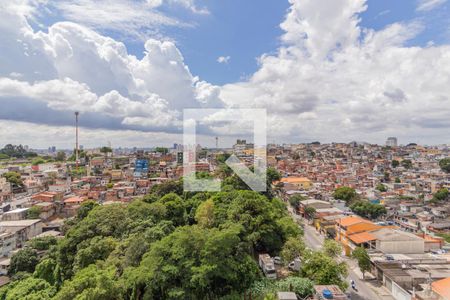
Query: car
{"x": 277, "y": 260}
{"x": 389, "y": 257}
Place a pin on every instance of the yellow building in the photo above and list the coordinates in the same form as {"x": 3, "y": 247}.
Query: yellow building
{"x": 301, "y": 183}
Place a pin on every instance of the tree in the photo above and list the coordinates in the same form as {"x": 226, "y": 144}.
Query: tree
{"x": 25, "y": 260}
{"x": 445, "y": 164}
{"x": 332, "y": 248}
{"x": 381, "y": 187}
{"x": 345, "y": 193}
{"x": 42, "y": 243}
{"x": 272, "y": 175}
{"x": 98, "y": 248}
{"x": 37, "y": 161}
{"x": 162, "y": 150}
{"x": 440, "y": 195}
{"x": 29, "y": 288}
{"x": 85, "y": 208}
{"x": 48, "y": 270}
{"x": 292, "y": 249}
{"x": 194, "y": 263}
{"x": 14, "y": 178}
{"x": 176, "y": 211}
{"x": 361, "y": 255}
{"x": 369, "y": 210}
{"x": 34, "y": 212}
{"x": 60, "y": 156}
{"x": 397, "y": 180}
{"x": 205, "y": 214}
{"x": 93, "y": 282}
{"x": 295, "y": 200}
{"x": 105, "y": 151}
{"x": 407, "y": 164}
{"x": 324, "y": 270}
{"x": 310, "y": 212}
{"x": 395, "y": 163}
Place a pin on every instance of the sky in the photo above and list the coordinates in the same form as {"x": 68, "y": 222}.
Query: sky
{"x": 325, "y": 71}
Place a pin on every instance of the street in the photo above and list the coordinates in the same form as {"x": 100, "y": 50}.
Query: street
{"x": 314, "y": 241}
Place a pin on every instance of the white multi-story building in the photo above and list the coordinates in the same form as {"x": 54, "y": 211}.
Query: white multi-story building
{"x": 391, "y": 142}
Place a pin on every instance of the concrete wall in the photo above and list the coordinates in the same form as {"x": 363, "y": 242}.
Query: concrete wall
{"x": 398, "y": 293}
{"x": 401, "y": 247}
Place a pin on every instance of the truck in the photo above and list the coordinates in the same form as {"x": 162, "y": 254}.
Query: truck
{"x": 267, "y": 265}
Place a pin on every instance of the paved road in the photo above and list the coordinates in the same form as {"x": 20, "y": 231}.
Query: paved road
{"x": 314, "y": 241}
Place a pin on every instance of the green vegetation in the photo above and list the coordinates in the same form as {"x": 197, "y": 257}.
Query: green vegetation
{"x": 60, "y": 156}
{"x": 24, "y": 260}
{"x": 169, "y": 245}
{"x": 332, "y": 248}
{"x": 162, "y": 150}
{"x": 445, "y": 236}
{"x": 381, "y": 187}
{"x": 295, "y": 200}
{"x": 323, "y": 269}
{"x": 310, "y": 212}
{"x": 406, "y": 163}
{"x": 37, "y": 161}
{"x": 34, "y": 212}
{"x": 395, "y": 163}
{"x": 266, "y": 289}
{"x": 368, "y": 210}
{"x": 16, "y": 151}
{"x": 361, "y": 255}
{"x": 292, "y": 249}
{"x": 3, "y": 156}
{"x": 77, "y": 172}
{"x": 13, "y": 178}
{"x": 345, "y": 193}
{"x": 440, "y": 195}
{"x": 43, "y": 243}
{"x": 445, "y": 164}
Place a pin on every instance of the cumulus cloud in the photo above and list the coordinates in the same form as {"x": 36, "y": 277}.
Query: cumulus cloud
{"x": 331, "y": 79}
{"x": 335, "y": 80}
{"x": 71, "y": 67}
{"x": 223, "y": 59}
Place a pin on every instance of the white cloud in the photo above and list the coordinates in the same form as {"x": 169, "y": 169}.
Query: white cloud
{"x": 72, "y": 68}
{"x": 223, "y": 59}
{"x": 427, "y": 5}
{"x": 333, "y": 80}
{"x": 136, "y": 18}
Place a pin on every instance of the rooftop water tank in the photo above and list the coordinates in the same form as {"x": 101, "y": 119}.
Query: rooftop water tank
{"x": 327, "y": 294}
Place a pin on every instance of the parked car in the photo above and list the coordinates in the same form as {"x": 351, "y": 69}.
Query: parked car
{"x": 389, "y": 257}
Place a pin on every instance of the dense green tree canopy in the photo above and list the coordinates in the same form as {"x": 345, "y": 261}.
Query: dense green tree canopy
{"x": 23, "y": 261}
{"x": 345, "y": 193}
{"x": 13, "y": 178}
{"x": 445, "y": 164}
{"x": 169, "y": 245}
{"x": 368, "y": 210}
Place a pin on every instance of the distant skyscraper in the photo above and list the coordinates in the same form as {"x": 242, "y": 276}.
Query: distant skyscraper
{"x": 391, "y": 142}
